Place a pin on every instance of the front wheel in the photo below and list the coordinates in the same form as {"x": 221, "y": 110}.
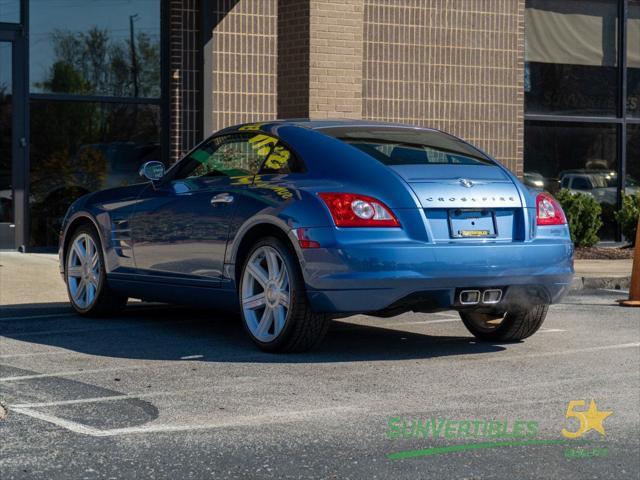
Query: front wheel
{"x": 275, "y": 311}
{"x": 85, "y": 276}
{"x": 514, "y": 325}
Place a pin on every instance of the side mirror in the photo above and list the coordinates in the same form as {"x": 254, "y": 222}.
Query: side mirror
{"x": 152, "y": 170}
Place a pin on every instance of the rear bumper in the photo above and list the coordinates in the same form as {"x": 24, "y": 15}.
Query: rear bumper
{"x": 374, "y": 277}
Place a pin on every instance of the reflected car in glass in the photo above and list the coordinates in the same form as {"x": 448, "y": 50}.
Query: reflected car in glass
{"x": 294, "y": 223}
{"x": 600, "y": 184}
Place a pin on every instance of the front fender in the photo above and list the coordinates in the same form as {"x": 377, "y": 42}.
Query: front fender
{"x": 74, "y": 218}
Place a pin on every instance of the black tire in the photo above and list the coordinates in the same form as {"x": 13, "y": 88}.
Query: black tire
{"x": 516, "y": 325}
{"x": 304, "y": 329}
{"x": 106, "y": 301}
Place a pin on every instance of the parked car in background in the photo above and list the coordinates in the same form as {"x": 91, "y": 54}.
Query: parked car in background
{"x": 601, "y": 184}
{"x": 534, "y": 180}
{"x": 293, "y": 223}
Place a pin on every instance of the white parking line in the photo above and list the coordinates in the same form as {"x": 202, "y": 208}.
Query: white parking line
{"x": 110, "y": 398}
{"x": 60, "y": 422}
{"x": 70, "y": 373}
{"x": 562, "y": 352}
{"x": 551, "y": 330}
{"x": 257, "y": 420}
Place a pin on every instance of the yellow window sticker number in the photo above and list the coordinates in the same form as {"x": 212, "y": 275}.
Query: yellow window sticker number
{"x": 278, "y": 158}
{"x": 262, "y": 144}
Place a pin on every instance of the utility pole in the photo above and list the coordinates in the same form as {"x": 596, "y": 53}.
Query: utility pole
{"x": 134, "y": 59}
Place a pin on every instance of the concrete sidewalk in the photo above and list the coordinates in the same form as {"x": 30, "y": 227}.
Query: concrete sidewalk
{"x": 613, "y": 274}
{"x": 31, "y": 278}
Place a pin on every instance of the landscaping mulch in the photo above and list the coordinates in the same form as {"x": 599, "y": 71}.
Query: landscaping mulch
{"x": 603, "y": 253}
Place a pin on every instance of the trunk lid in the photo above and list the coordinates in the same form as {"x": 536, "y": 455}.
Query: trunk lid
{"x": 460, "y": 186}
{"x": 467, "y": 202}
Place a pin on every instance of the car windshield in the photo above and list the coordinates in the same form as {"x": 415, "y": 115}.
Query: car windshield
{"x": 409, "y": 146}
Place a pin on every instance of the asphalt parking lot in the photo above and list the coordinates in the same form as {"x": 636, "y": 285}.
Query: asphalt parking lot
{"x": 168, "y": 392}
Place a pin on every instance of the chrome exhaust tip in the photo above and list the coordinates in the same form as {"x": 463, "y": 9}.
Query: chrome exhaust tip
{"x": 492, "y": 296}
{"x": 469, "y": 297}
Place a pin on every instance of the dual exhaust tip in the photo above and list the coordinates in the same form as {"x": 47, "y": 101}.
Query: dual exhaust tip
{"x": 490, "y": 296}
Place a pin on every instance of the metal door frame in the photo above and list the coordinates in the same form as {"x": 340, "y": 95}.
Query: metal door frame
{"x": 20, "y": 140}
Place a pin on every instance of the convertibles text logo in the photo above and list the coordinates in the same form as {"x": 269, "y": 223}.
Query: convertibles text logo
{"x": 474, "y": 434}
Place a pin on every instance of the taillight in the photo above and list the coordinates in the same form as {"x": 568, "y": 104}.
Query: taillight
{"x": 549, "y": 211}
{"x": 353, "y": 210}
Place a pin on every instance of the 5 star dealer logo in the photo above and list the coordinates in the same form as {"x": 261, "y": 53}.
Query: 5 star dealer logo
{"x": 475, "y": 434}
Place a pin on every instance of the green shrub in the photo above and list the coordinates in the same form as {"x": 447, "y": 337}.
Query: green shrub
{"x": 583, "y": 215}
{"x": 627, "y": 216}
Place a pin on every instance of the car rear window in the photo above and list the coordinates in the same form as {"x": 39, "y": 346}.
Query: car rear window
{"x": 409, "y": 146}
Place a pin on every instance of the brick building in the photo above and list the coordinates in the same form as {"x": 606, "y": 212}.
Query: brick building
{"x": 89, "y": 90}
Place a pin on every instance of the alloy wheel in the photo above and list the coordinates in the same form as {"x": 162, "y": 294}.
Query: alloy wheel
{"x": 83, "y": 271}
{"x": 265, "y": 294}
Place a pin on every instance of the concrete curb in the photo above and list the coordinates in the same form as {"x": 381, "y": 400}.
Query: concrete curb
{"x": 594, "y": 283}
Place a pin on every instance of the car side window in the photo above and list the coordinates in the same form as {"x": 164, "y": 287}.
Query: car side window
{"x": 580, "y": 183}
{"x": 278, "y": 159}
{"x": 238, "y": 155}
{"x": 231, "y": 156}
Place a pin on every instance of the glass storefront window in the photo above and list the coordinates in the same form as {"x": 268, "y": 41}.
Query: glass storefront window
{"x": 633, "y": 59}
{"x": 6, "y": 119}
{"x": 88, "y": 49}
{"x": 81, "y": 147}
{"x": 571, "y": 57}
{"x": 632, "y": 184}
{"x": 580, "y": 157}
{"x": 10, "y": 11}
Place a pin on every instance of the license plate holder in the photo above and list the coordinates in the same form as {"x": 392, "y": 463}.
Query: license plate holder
{"x": 472, "y": 223}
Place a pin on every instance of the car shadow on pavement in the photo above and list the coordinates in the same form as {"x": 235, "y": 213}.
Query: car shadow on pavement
{"x": 162, "y": 332}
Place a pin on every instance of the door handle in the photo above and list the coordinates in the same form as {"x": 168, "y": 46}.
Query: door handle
{"x": 222, "y": 198}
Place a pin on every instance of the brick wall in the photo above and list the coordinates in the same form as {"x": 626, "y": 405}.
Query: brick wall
{"x": 456, "y": 65}
{"x": 450, "y": 64}
{"x": 293, "y": 58}
{"x": 320, "y": 58}
{"x": 335, "y": 57}
{"x": 242, "y": 59}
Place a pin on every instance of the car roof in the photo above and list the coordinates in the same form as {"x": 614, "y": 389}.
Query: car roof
{"x": 314, "y": 124}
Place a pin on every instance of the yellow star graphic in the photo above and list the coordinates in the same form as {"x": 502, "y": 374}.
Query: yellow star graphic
{"x": 593, "y": 418}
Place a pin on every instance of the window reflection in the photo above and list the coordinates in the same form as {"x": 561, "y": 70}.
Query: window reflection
{"x": 633, "y": 58}
{"x": 86, "y": 48}
{"x": 10, "y": 11}
{"x": 578, "y": 156}
{"x": 632, "y": 184}
{"x": 79, "y": 147}
{"x": 6, "y": 104}
{"x": 571, "y": 56}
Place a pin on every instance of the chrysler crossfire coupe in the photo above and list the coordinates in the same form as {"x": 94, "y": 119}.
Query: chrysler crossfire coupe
{"x": 293, "y": 223}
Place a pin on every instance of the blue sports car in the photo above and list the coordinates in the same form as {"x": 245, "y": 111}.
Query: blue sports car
{"x": 295, "y": 222}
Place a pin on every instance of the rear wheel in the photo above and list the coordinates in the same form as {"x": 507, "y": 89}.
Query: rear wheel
{"x": 85, "y": 276}
{"x": 514, "y": 325}
{"x": 273, "y": 304}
